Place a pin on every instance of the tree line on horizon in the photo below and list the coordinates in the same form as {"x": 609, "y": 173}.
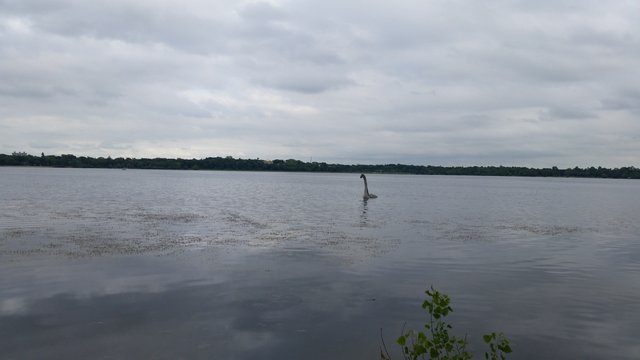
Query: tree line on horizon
{"x": 230, "y": 163}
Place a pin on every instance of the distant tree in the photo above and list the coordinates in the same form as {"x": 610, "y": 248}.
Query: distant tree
{"x": 229, "y": 163}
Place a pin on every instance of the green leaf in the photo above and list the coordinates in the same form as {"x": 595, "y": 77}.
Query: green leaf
{"x": 506, "y": 348}
{"x": 402, "y": 340}
{"x": 437, "y": 343}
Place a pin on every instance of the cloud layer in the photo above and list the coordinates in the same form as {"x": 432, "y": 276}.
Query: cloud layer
{"x": 530, "y": 83}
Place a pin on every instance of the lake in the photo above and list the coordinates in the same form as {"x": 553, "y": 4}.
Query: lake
{"x": 100, "y": 263}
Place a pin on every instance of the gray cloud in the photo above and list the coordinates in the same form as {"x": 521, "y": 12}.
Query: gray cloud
{"x": 525, "y": 83}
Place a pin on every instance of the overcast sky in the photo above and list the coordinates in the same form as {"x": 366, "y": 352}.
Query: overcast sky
{"x": 493, "y": 82}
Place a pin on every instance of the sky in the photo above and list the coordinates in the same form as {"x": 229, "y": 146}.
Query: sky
{"x": 536, "y": 83}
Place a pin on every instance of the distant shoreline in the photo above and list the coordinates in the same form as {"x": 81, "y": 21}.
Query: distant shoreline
{"x": 230, "y": 163}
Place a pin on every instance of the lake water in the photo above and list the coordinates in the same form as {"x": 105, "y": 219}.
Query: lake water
{"x": 98, "y": 263}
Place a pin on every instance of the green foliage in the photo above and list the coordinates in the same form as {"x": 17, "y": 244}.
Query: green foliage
{"x": 437, "y": 342}
{"x": 229, "y": 163}
{"x": 498, "y": 346}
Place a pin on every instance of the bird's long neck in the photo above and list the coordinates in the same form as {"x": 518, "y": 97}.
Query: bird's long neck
{"x": 366, "y": 188}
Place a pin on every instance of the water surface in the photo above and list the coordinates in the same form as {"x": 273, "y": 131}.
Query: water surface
{"x": 101, "y": 263}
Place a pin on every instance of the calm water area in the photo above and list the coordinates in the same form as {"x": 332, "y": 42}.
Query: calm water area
{"x": 112, "y": 264}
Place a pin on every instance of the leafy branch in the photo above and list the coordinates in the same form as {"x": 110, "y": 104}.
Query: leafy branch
{"x": 436, "y": 342}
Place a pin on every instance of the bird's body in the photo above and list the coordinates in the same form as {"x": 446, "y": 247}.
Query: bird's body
{"x": 366, "y": 195}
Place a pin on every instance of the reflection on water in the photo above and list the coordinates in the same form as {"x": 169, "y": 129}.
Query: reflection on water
{"x": 364, "y": 220}
{"x": 260, "y": 310}
{"x": 170, "y": 264}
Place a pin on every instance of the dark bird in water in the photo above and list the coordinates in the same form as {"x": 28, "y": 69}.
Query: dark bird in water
{"x": 366, "y": 195}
